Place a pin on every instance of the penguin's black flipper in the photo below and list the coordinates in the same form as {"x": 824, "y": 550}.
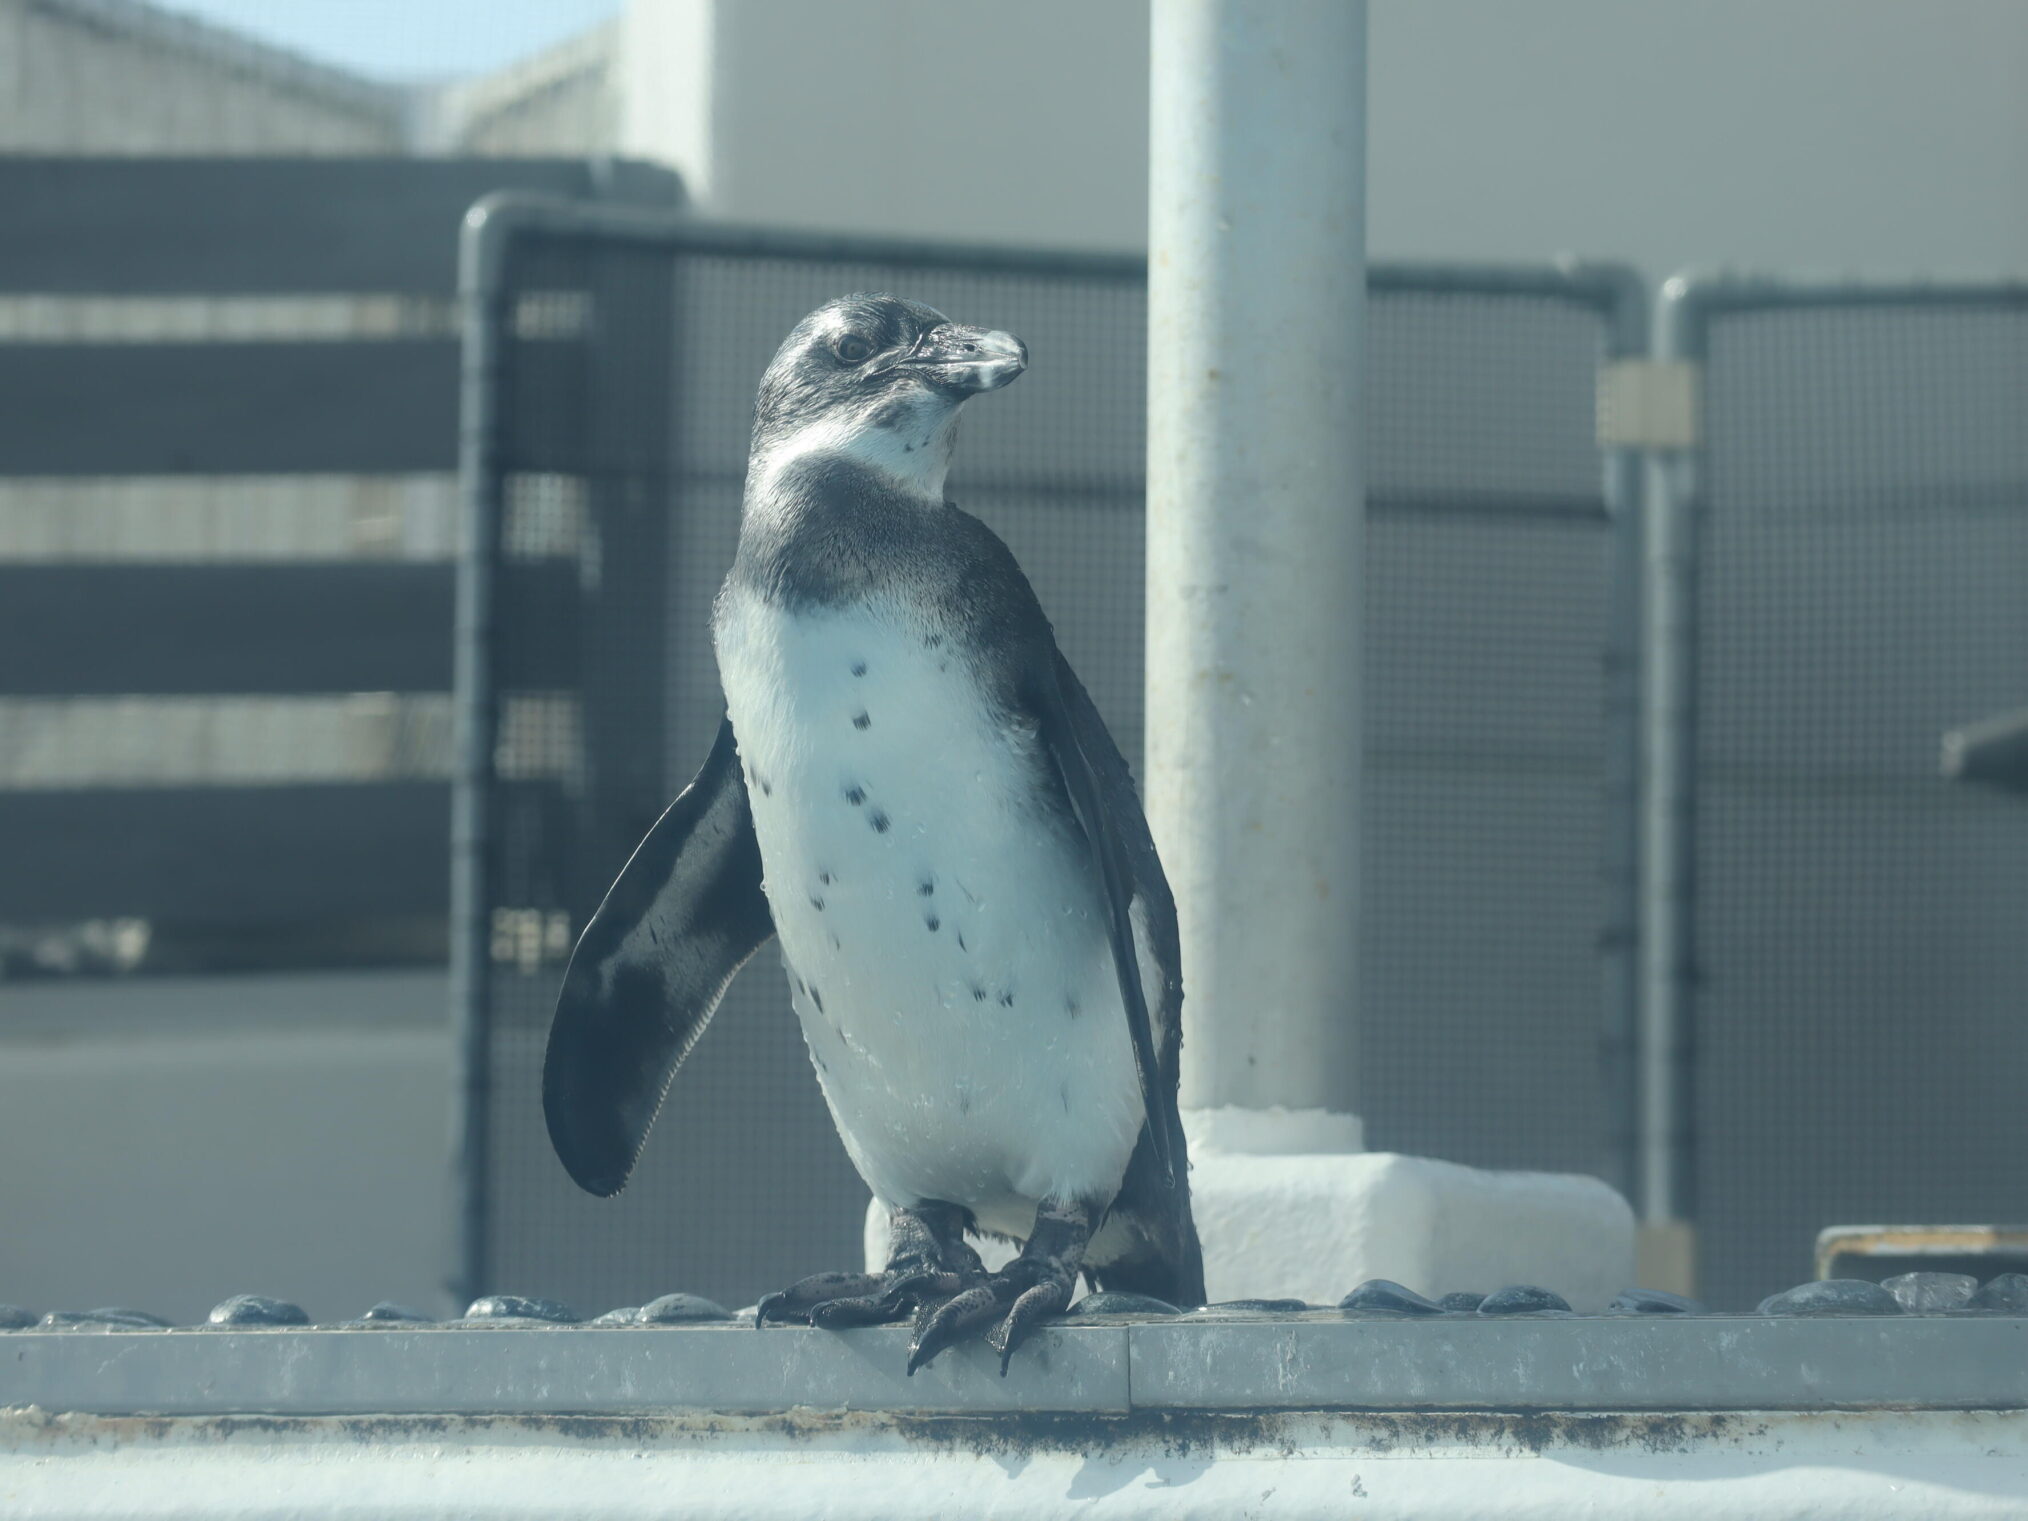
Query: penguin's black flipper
{"x": 1160, "y": 1254}
{"x": 685, "y": 914}
{"x": 1109, "y": 811}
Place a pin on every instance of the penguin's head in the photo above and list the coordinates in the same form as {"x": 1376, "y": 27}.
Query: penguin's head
{"x": 878, "y": 380}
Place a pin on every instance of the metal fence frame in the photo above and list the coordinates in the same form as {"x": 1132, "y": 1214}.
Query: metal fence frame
{"x": 1686, "y": 307}
{"x": 1615, "y": 292}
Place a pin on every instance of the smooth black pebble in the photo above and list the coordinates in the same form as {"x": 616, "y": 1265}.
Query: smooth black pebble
{"x": 1384, "y": 1294}
{"x": 257, "y": 1310}
{"x": 1654, "y": 1302}
{"x": 1118, "y": 1302}
{"x": 1522, "y": 1299}
{"x": 517, "y": 1307}
{"x": 1831, "y": 1296}
{"x": 2008, "y": 1294}
{"x": 682, "y": 1309}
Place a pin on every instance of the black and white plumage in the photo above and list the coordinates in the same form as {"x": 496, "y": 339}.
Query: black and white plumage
{"x": 914, "y": 793}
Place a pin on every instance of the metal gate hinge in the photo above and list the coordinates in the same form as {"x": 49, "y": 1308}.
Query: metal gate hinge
{"x": 1649, "y": 404}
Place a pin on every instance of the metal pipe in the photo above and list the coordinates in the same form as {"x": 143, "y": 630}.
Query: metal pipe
{"x": 1256, "y": 310}
{"x": 517, "y": 213}
{"x": 483, "y": 319}
{"x": 1668, "y": 759}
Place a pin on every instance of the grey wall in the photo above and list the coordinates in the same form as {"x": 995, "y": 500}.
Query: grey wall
{"x": 1849, "y": 135}
{"x": 166, "y": 1142}
{"x": 950, "y": 118}
{"x": 1866, "y": 135}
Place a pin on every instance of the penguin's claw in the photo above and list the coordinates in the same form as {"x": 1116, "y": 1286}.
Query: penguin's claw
{"x": 936, "y": 1277}
{"x": 838, "y": 1301}
{"x": 892, "y": 1303}
{"x": 799, "y": 1299}
{"x": 1013, "y": 1299}
{"x": 860, "y": 1310}
{"x": 1046, "y": 1300}
{"x": 938, "y": 1325}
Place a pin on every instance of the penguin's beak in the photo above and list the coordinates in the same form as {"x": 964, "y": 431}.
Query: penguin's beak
{"x": 967, "y": 360}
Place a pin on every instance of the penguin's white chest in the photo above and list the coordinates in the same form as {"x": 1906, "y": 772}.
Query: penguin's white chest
{"x": 943, "y": 931}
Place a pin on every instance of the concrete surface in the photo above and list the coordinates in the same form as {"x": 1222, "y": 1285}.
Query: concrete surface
{"x": 252, "y": 1423}
{"x": 1214, "y": 1361}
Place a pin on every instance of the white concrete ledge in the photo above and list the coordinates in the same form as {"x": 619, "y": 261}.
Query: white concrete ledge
{"x": 845, "y": 1466}
{"x": 1433, "y": 1418}
{"x": 1316, "y": 1361}
{"x": 1524, "y": 1362}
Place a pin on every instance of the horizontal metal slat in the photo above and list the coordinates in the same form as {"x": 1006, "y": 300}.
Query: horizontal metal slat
{"x": 97, "y": 630}
{"x": 255, "y": 226}
{"x": 226, "y": 854}
{"x": 74, "y": 630}
{"x": 336, "y": 408}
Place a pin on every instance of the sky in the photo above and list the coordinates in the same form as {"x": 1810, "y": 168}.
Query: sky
{"x": 405, "y": 40}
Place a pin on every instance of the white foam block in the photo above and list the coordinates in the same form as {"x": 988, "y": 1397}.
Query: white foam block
{"x": 1311, "y": 1227}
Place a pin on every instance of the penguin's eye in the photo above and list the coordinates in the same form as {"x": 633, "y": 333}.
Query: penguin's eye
{"x": 852, "y": 348}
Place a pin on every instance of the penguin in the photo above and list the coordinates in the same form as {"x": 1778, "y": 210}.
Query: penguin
{"x": 913, "y": 794}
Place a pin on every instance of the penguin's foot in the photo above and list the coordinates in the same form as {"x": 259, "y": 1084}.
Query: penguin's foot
{"x": 1031, "y": 1289}
{"x": 928, "y": 1263}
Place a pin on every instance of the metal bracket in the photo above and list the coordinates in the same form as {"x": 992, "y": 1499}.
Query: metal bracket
{"x": 1994, "y": 750}
{"x": 1649, "y": 404}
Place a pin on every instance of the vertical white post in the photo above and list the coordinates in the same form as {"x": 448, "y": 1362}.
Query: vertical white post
{"x": 1256, "y": 317}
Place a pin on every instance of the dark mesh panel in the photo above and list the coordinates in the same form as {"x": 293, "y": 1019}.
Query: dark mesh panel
{"x": 1488, "y": 578}
{"x": 1861, "y": 925}
{"x": 1479, "y": 1033}
{"x": 1488, "y": 585}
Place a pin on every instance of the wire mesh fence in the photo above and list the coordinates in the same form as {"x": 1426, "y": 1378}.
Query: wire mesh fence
{"x": 1860, "y": 924}
{"x": 624, "y": 392}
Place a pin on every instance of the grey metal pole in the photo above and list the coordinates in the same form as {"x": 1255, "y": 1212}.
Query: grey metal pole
{"x": 1668, "y": 750}
{"x": 483, "y": 318}
{"x": 1256, "y": 314}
